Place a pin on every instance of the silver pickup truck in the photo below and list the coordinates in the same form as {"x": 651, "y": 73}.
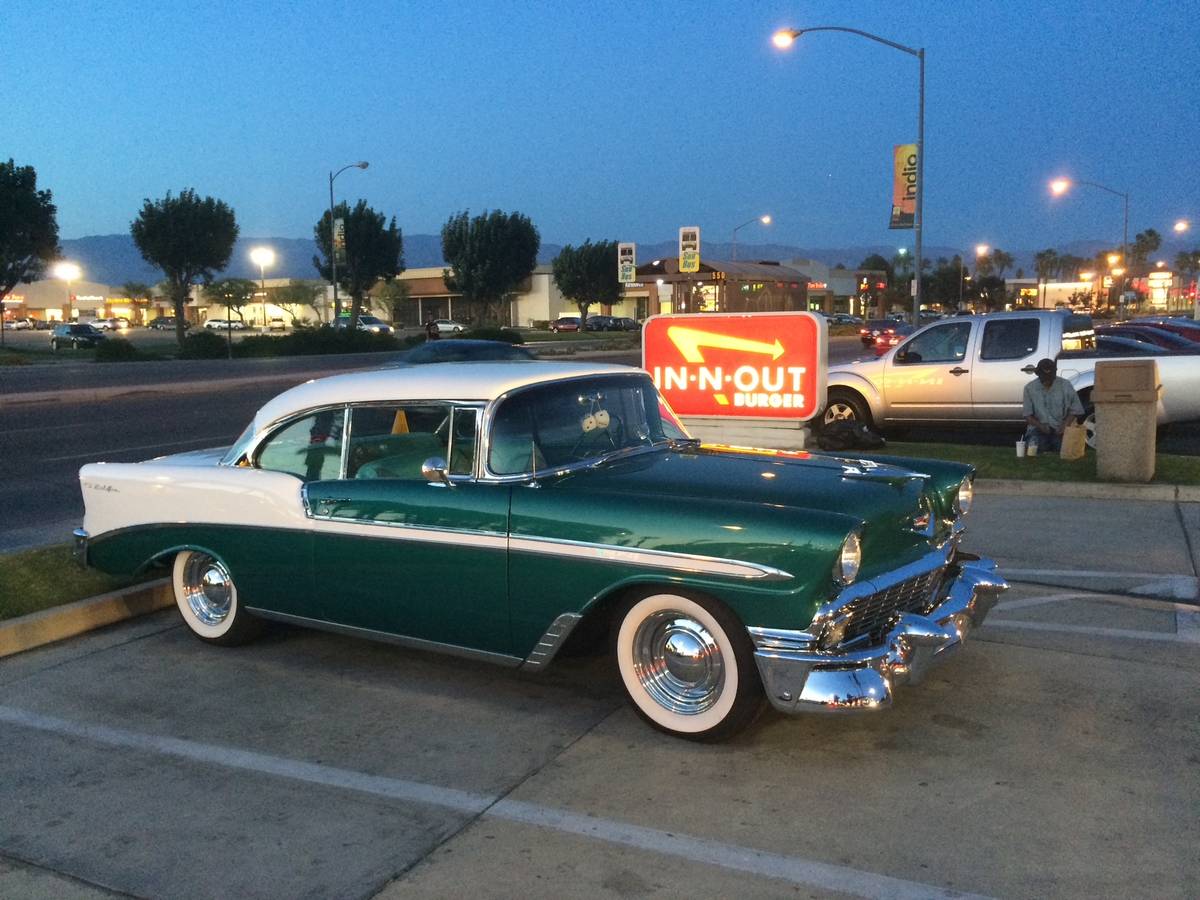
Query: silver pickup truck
{"x": 973, "y": 369}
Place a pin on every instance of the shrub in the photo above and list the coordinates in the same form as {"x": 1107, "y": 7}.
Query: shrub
{"x": 116, "y": 349}
{"x": 540, "y": 324}
{"x": 495, "y": 334}
{"x": 203, "y": 345}
{"x": 259, "y": 345}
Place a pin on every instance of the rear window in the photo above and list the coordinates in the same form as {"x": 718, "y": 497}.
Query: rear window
{"x": 1009, "y": 339}
{"x": 1078, "y": 333}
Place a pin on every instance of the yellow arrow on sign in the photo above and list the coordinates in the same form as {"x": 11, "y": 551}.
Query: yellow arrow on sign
{"x": 690, "y": 340}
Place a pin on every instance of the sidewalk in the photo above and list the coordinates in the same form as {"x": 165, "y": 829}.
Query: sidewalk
{"x": 1148, "y": 548}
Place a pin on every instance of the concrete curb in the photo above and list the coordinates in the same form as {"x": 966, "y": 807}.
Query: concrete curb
{"x": 1170, "y": 493}
{"x": 60, "y": 622}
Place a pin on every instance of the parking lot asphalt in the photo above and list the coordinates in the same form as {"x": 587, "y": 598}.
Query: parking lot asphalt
{"x": 1054, "y": 756}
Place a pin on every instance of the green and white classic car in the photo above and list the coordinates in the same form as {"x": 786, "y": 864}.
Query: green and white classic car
{"x": 494, "y": 510}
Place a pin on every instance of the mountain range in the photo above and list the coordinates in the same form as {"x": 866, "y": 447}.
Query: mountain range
{"x": 113, "y": 259}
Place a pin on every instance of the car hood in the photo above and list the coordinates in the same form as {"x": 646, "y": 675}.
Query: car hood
{"x": 861, "y": 365}
{"x": 883, "y": 499}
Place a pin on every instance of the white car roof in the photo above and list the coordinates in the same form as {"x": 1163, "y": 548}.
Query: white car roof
{"x": 478, "y": 381}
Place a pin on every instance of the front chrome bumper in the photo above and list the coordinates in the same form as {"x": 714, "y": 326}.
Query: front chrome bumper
{"x": 799, "y": 677}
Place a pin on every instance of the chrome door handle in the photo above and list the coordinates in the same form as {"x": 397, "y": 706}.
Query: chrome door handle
{"x": 958, "y": 370}
{"x": 1028, "y": 370}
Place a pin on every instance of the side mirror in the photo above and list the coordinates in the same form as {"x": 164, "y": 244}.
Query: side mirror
{"x": 434, "y": 470}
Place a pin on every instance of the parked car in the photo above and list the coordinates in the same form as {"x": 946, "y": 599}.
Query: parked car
{"x": 627, "y": 324}
{"x": 75, "y": 336}
{"x": 21, "y": 324}
{"x": 601, "y": 323}
{"x": 844, "y": 319}
{"x": 565, "y": 323}
{"x": 1186, "y": 328}
{"x": 117, "y": 323}
{"x": 396, "y": 504}
{"x": 224, "y": 324}
{"x": 165, "y": 323}
{"x": 460, "y": 350}
{"x": 276, "y": 323}
{"x": 372, "y": 324}
{"x": 449, "y": 326}
{"x": 973, "y": 370}
{"x": 1168, "y": 341}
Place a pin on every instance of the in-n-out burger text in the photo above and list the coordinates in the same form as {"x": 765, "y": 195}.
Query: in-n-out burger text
{"x": 775, "y": 387}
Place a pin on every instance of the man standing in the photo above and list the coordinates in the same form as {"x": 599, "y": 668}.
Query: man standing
{"x": 1050, "y": 401}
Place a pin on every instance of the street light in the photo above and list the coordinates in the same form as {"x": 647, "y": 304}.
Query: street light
{"x": 1181, "y": 226}
{"x": 1060, "y": 186}
{"x": 68, "y": 272}
{"x": 263, "y": 257}
{"x": 766, "y": 220}
{"x": 785, "y": 37}
{"x": 337, "y": 307}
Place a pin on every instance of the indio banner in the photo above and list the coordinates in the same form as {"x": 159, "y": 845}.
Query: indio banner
{"x": 744, "y": 365}
{"x": 904, "y": 185}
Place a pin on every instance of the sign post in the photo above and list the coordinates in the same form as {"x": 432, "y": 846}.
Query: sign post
{"x": 689, "y": 248}
{"x": 627, "y": 263}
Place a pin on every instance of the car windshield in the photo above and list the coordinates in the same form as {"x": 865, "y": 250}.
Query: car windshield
{"x": 370, "y": 320}
{"x": 567, "y": 423}
{"x": 81, "y": 329}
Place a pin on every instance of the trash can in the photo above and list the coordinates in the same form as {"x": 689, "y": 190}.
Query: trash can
{"x": 1126, "y": 398}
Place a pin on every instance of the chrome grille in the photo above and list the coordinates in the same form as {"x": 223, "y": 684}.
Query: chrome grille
{"x": 874, "y": 615}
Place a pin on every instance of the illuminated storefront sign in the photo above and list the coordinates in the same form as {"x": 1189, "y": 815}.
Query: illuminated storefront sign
{"x": 748, "y": 365}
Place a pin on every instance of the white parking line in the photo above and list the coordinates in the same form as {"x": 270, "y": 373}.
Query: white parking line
{"x": 791, "y": 869}
{"x": 1026, "y": 602}
{"x": 1170, "y": 637}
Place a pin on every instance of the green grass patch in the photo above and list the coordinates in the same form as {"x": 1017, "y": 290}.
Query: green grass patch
{"x": 33, "y": 580}
{"x": 1002, "y": 462}
{"x": 632, "y": 338}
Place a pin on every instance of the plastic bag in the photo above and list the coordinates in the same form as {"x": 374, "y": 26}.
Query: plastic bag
{"x": 1074, "y": 439}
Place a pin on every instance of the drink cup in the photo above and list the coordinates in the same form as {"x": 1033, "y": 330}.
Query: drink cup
{"x": 1031, "y": 449}
{"x": 1020, "y": 449}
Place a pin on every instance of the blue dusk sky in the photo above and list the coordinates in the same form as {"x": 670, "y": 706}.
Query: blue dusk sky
{"x": 613, "y": 120}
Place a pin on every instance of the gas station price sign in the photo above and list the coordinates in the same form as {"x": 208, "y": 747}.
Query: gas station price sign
{"x": 743, "y": 365}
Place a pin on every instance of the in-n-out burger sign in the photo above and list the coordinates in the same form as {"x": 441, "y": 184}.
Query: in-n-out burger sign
{"x": 748, "y": 365}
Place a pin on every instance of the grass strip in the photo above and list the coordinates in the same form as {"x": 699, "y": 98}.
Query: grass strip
{"x": 1002, "y": 462}
{"x": 33, "y": 580}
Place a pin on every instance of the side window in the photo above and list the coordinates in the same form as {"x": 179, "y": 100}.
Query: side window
{"x": 392, "y": 441}
{"x": 941, "y": 343}
{"x": 309, "y": 448}
{"x": 1009, "y": 339}
{"x": 462, "y": 440}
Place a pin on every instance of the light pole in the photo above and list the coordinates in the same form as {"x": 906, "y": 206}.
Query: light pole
{"x": 784, "y": 38}
{"x": 766, "y": 220}
{"x": 337, "y": 306}
{"x": 263, "y": 257}
{"x": 68, "y": 272}
{"x": 1060, "y": 186}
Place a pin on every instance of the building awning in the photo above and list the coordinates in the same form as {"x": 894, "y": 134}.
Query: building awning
{"x": 720, "y": 270}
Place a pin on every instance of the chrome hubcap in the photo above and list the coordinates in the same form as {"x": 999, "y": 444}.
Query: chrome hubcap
{"x": 1089, "y": 430}
{"x": 678, "y": 663}
{"x": 839, "y": 412}
{"x": 207, "y": 588}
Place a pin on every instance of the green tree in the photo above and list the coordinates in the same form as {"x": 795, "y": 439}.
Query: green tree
{"x": 296, "y": 295}
{"x": 394, "y": 295}
{"x": 985, "y": 266}
{"x": 587, "y": 274}
{"x": 137, "y": 290}
{"x": 1144, "y": 243}
{"x": 1001, "y": 261}
{"x": 489, "y": 256}
{"x": 1069, "y": 267}
{"x": 28, "y": 228}
{"x": 374, "y": 250}
{"x": 902, "y": 265}
{"x": 232, "y": 293}
{"x": 877, "y": 263}
{"x": 1187, "y": 263}
{"x": 189, "y": 238}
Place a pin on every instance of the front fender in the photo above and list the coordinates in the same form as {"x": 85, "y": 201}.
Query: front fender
{"x": 861, "y": 385}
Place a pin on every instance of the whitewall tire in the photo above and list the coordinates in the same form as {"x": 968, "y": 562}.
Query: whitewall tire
{"x": 208, "y": 600}
{"x": 687, "y": 665}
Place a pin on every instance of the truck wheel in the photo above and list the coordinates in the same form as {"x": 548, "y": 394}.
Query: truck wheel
{"x": 845, "y": 406}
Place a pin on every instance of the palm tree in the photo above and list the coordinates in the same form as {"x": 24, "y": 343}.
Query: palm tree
{"x": 1001, "y": 261}
{"x": 1045, "y": 263}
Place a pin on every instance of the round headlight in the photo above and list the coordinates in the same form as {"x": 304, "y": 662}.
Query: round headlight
{"x": 966, "y": 496}
{"x": 849, "y": 559}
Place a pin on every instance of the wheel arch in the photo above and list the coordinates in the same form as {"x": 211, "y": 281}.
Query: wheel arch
{"x": 852, "y": 382}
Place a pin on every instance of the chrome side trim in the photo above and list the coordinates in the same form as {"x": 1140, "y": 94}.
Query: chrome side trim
{"x": 430, "y": 534}
{"x": 658, "y": 559}
{"x": 781, "y": 639}
{"x": 550, "y": 642}
{"x": 389, "y": 638}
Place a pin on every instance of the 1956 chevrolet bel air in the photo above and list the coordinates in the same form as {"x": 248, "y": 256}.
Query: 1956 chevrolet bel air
{"x": 490, "y": 509}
